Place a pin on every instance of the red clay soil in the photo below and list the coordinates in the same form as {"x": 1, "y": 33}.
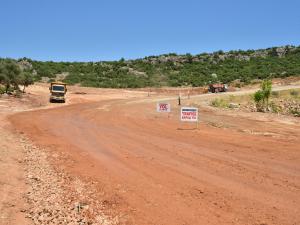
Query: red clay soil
{"x": 157, "y": 171}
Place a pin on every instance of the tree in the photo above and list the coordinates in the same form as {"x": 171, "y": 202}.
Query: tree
{"x": 11, "y": 76}
{"x": 12, "y": 72}
{"x": 25, "y": 79}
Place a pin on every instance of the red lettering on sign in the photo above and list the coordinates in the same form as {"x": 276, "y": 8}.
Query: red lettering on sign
{"x": 163, "y": 107}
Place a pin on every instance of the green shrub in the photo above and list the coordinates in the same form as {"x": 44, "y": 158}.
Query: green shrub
{"x": 258, "y": 99}
{"x": 261, "y": 97}
{"x": 258, "y": 96}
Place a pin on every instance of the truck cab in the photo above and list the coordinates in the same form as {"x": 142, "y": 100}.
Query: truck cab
{"x": 58, "y": 91}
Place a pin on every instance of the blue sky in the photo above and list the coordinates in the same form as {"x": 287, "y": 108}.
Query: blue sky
{"x": 93, "y": 30}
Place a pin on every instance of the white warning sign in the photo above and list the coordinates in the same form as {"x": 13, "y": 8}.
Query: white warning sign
{"x": 163, "y": 107}
{"x": 189, "y": 114}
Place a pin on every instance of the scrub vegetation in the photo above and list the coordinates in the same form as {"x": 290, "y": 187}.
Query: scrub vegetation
{"x": 175, "y": 70}
{"x": 285, "y": 102}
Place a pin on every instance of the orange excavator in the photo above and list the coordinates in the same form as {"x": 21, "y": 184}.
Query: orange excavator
{"x": 215, "y": 88}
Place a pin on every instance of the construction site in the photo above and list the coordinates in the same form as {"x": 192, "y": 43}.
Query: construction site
{"x": 107, "y": 156}
{"x": 131, "y": 112}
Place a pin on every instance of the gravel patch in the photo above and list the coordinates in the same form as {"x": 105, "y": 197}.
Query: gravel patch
{"x": 57, "y": 198}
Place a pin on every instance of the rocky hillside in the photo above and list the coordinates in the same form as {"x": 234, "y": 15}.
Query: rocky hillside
{"x": 222, "y": 56}
{"x": 174, "y": 70}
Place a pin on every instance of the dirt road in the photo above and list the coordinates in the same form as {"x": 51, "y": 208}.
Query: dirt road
{"x": 150, "y": 169}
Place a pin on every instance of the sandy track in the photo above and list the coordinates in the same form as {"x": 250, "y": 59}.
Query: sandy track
{"x": 153, "y": 170}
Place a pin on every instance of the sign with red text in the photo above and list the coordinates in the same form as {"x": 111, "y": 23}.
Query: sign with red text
{"x": 189, "y": 114}
{"x": 163, "y": 107}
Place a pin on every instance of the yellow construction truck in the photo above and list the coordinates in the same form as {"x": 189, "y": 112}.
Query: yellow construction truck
{"x": 58, "y": 92}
